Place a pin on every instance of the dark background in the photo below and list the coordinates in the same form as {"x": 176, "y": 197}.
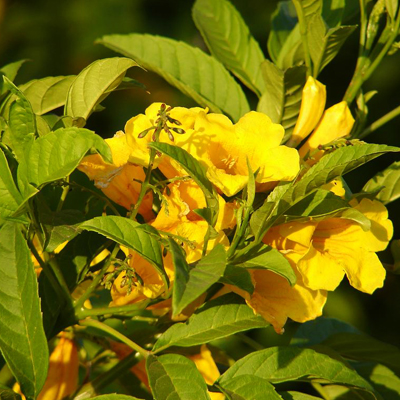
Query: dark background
{"x": 58, "y": 39}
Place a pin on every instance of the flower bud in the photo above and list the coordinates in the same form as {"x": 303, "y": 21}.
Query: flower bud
{"x": 337, "y": 122}
{"x": 312, "y": 106}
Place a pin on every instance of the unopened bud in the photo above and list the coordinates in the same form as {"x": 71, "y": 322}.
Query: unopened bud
{"x": 180, "y": 131}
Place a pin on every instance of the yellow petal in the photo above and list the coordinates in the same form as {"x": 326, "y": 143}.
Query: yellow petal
{"x": 336, "y": 187}
{"x": 336, "y": 123}
{"x": 228, "y": 183}
{"x": 312, "y": 106}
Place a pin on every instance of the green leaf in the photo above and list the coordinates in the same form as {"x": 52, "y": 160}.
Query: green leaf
{"x": 297, "y": 396}
{"x": 114, "y": 397}
{"x": 10, "y": 71}
{"x": 201, "y": 277}
{"x": 239, "y": 277}
{"x": 10, "y": 198}
{"x": 193, "y": 72}
{"x": 364, "y": 348}
{"x": 282, "y": 364}
{"x": 249, "y": 387}
{"x": 22, "y": 339}
{"x": 141, "y": 238}
{"x": 94, "y": 84}
{"x": 391, "y": 7}
{"x": 9, "y": 395}
{"x": 195, "y": 170}
{"x": 56, "y": 155}
{"x": 314, "y": 332}
{"x": 216, "y": 319}
{"x": 173, "y": 376}
{"x": 325, "y": 44}
{"x": 229, "y": 40}
{"x": 266, "y": 257}
{"x": 388, "y": 182}
{"x": 21, "y": 123}
{"x": 48, "y": 93}
{"x": 282, "y": 98}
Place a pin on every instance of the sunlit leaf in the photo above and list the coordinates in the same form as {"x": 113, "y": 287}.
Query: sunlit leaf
{"x": 229, "y": 40}
{"x": 193, "y": 72}
{"x": 216, "y": 319}
{"x": 22, "y": 339}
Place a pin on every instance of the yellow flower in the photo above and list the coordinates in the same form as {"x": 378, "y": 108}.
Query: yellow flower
{"x": 311, "y": 109}
{"x": 337, "y": 122}
{"x": 118, "y": 181}
{"x": 62, "y": 378}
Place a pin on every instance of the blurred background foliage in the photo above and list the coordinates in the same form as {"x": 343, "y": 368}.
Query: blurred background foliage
{"x": 58, "y": 39}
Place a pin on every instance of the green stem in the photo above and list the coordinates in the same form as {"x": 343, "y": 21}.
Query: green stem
{"x": 78, "y": 304}
{"x": 380, "y": 122}
{"x": 93, "y": 323}
{"x": 239, "y": 233}
{"x": 63, "y": 196}
{"x": 303, "y": 33}
{"x": 91, "y": 389}
{"x": 82, "y": 313}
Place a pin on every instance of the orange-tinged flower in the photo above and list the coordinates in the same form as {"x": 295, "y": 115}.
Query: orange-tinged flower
{"x": 337, "y": 122}
{"x": 119, "y": 181}
{"x": 312, "y": 106}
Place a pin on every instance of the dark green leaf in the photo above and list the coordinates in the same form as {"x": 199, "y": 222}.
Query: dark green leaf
{"x": 229, "y": 40}
{"x": 388, "y": 182}
{"x": 141, "y": 238}
{"x": 114, "y": 397}
{"x": 94, "y": 84}
{"x": 195, "y": 170}
{"x": 9, "y": 395}
{"x": 11, "y": 70}
{"x": 56, "y": 155}
{"x": 10, "y": 198}
{"x": 193, "y": 72}
{"x": 282, "y": 364}
{"x": 282, "y": 98}
{"x": 22, "y": 339}
{"x": 297, "y": 396}
{"x": 48, "y": 93}
{"x": 201, "y": 277}
{"x": 266, "y": 257}
{"x": 249, "y": 387}
{"x": 216, "y": 319}
{"x": 173, "y": 376}
{"x": 239, "y": 277}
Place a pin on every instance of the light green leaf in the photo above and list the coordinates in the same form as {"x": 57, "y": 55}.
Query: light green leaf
{"x": 9, "y": 395}
{"x": 297, "y": 396}
{"x": 11, "y": 70}
{"x": 193, "y": 72}
{"x": 195, "y": 170}
{"x": 141, "y": 238}
{"x": 216, "y": 319}
{"x": 324, "y": 44}
{"x": 22, "y": 339}
{"x": 229, "y": 40}
{"x": 10, "y": 198}
{"x": 56, "y": 155}
{"x": 239, "y": 277}
{"x": 308, "y": 8}
{"x": 282, "y": 364}
{"x": 114, "y": 397}
{"x": 388, "y": 182}
{"x": 173, "y": 376}
{"x": 94, "y": 84}
{"x": 201, "y": 277}
{"x": 48, "y": 93}
{"x": 333, "y": 11}
{"x": 266, "y": 257}
{"x": 282, "y": 98}
{"x": 391, "y": 7}
{"x": 364, "y": 348}
{"x": 250, "y": 387}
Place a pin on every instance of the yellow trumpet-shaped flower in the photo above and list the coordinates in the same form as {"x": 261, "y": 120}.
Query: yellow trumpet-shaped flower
{"x": 312, "y": 106}
{"x": 62, "y": 378}
{"x": 119, "y": 181}
{"x": 337, "y": 122}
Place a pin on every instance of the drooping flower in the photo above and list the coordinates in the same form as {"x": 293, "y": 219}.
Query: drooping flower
{"x": 120, "y": 181}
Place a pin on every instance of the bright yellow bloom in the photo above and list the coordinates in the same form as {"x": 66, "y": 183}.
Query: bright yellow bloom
{"x": 221, "y": 146}
{"x": 337, "y": 122}
{"x": 312, "y": 106}
{"x": 179, "y": 220}
{"x": 118, "y": 181}
{"x": 62, "y": 378}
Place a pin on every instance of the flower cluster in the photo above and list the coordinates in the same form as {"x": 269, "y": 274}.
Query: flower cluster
{"x": 321, "y": 252}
